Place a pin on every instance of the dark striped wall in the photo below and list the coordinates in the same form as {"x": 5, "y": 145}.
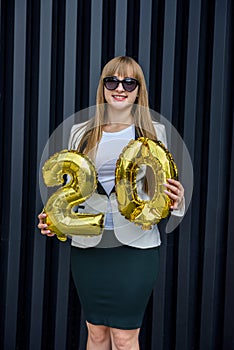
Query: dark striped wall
{"x": 52, "y": 52}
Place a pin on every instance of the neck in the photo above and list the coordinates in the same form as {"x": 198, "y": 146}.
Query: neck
{"x": 119, "y": 116}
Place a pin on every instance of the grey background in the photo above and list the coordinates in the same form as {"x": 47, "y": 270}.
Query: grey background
{"x": 51, "y": 56}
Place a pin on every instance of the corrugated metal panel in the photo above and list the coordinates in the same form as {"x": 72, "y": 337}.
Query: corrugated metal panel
{"x": 51, "y": 56}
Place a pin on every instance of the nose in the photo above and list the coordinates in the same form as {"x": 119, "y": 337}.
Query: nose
{"x": 120, "y": 87}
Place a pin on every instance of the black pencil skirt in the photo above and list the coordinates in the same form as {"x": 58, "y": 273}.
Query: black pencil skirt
{"x": 114, "y": 284}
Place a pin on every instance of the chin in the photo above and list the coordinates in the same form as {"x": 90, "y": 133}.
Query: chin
{"x": 120, "y": 104}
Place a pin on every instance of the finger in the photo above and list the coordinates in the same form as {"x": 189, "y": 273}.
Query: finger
{"x": 171, "y": 195}
{"x": 42, "y": 226}
{"x": 176, "y": 187}
{"x": 173, "y": 189}
{"x": 177, "y": 200}
{"x": 42, "y": 217}
{"x": 44, "y": 230}
{"x": 176, "y": 184}
{"x": 47, "y": 232}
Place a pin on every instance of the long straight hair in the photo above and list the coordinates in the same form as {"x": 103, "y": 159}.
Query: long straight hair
{"x": 123, "y": 66}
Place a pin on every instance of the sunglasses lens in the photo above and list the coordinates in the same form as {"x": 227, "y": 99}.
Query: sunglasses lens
{"x": 129, "y": 84}
{"x": 111, "y": 83}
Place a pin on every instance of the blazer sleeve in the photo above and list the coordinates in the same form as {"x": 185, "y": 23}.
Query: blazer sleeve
{"x": 161, "y": 132}
{"x": 161, "y": 136}
{"x": 76, "y": 133}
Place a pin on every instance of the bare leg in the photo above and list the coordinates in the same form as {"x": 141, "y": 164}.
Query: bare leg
{"x": 125, "y": 339}
{"x": 98, "y": 337}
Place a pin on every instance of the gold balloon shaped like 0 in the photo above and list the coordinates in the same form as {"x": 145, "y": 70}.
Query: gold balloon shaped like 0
{"x": 82, "y": 182}
{"x": 160, "y": 166}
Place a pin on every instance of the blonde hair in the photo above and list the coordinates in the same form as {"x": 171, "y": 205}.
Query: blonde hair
{"x": 122, "y": 66}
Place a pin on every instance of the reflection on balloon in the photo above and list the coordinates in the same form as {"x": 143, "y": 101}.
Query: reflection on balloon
{"x": 82, "y": 182}
{"x": 152, "y": 154}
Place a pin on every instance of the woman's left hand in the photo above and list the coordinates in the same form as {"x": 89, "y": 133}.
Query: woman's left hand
{"x": 176, "y": 193}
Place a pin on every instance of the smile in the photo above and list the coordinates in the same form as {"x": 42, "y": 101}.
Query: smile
{"x": 119, "y": 97}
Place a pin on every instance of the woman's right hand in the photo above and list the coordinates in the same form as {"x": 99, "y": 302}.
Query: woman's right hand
{"x": 43, "y": 226}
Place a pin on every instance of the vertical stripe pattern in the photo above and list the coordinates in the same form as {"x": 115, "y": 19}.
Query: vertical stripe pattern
{"x": 51, "y": 56}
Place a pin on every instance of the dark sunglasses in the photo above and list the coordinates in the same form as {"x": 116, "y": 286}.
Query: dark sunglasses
{"x": 129, "y": 84}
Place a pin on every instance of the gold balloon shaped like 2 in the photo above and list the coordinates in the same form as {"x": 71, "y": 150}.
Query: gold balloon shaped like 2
{"x": 154, "y": 155}
{"x": 61, "y": 218}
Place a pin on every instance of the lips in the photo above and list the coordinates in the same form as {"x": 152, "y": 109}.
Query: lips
{"x": 119, "y": 97}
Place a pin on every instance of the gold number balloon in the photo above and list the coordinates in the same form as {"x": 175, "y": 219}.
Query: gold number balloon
{"x": 154, "y": 155}
{"x": 61, "y": 218}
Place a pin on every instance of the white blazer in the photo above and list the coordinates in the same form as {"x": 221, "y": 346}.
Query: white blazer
{"x": 125, "y": 231}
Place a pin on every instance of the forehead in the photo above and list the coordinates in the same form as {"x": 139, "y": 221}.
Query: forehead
{"x": 126, "y": 74}
{"x": 122, "y": 70}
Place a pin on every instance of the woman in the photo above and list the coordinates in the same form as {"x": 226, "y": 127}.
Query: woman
{"x": 114, "y": 284}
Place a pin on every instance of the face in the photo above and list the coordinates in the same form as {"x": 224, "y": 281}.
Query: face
{"x": 120, "y": 98}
